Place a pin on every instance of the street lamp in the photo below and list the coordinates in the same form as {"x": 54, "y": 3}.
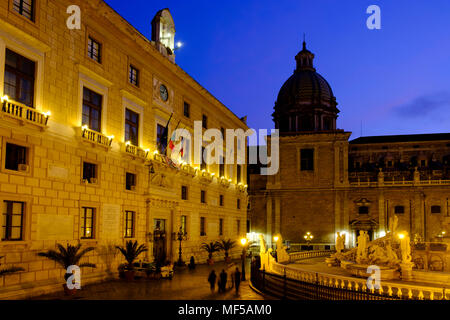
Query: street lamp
{"x": 308, "y": 237}
{"x": 180, "y": 236}
{"x": 244, "y": 252}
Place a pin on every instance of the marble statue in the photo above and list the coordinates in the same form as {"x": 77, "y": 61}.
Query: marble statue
{"x": 340, "y": 242}
{"x": 405, "y": 248}
{"x": 282, "y": 255}
{"x": 393, "y": 223}
{"x": 361, "y": 253}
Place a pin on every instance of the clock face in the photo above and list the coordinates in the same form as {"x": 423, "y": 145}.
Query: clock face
{"x": 163, "y": 92}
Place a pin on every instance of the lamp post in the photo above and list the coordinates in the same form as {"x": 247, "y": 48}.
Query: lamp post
{"x": 180, "y": 236}
{"x": 244, "y": 252}
{"x": 308, "y": 237}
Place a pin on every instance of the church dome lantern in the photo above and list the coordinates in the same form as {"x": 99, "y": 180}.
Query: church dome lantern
{"x": 305, "y": 101}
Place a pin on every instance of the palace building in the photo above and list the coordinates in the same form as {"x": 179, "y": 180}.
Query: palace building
{"x": 83, "y": 114}
{"x": 328, "y": 184}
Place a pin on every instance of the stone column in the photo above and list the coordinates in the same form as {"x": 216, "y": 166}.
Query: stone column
{"x": 381, "y": 212}
{"x": 269, "y": 220}
{"x": 277, "y": 216}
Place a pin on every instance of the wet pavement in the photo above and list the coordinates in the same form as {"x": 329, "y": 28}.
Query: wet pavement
{"x": 185, "y": 285}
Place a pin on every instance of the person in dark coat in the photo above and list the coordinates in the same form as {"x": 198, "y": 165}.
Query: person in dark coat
{"x": 212, "y": 280}
{"x": 237, "y": 280}
{"x": 223, "y": 281}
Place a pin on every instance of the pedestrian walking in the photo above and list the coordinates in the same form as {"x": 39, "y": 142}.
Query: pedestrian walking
{"x": 212, "y": 280}
{"x": 237, "y": 280}
{"x": 223, "y": 281}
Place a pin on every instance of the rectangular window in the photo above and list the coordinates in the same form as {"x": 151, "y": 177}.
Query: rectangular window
{"x": 205, "y": 121}
{"x": 238, "y": 173}
{"x": 92, "y": 109}
{"x": 184, "y": 193}
{"x": 16, "y": 157}
{"x": 435, "y": 209}
{"x": 187, "y": 110}
{"x": 399, "y": 209}
{"x": 238, "y": 203}
{"x": 307, "y": 159}
{"x": 363, "y": 210}
{"x": 238, "y": 229}
{"x": 90, "y": 172}
{"x": 19, "y": 78}
{"x": 94, "y": 50}
{"x": 221, "y": 168}
{"x": 12, "y": 220}
{"x": 248, "y": 226}
{"x": 203, "y": 196}
{"x": 221, "y": 200}
{"x": 24, "y": 8}
{"x": 87, "y": 223}
{"x": 159, "y": 134}
{"x": 130, "y": 183}
{"x": 132, "y": 127}
{"x": 133, "y": 76}
{"x": 203, "y": 162}
{"x": 202, "y": 226}
{"x": 220, "y": 227}
{"x": 184, "y": 224}
{"x": 129, "y": 224}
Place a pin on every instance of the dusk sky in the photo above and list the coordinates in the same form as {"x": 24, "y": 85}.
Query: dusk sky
{"x": 390, "y": 81}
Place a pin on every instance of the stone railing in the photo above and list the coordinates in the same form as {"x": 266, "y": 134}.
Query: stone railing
{"x": 309, "y": 254}
{"x": 136, "y": 151}
{"x": 24, "y": 113}
{"x": 96, "y": 137}
{"x": 396, "y": 183}
{"x": 390, "y": 289}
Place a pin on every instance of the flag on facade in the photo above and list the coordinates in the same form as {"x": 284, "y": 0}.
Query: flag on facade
{"x": 162, "y": 145}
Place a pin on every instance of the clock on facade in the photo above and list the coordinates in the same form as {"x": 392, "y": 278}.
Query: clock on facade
{"x": 163, "y": 92}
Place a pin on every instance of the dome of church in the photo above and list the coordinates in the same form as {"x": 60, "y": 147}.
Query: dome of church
{"x": 305, "y": 101}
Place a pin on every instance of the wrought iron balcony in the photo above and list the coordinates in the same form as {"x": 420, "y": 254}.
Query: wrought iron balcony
{"x": 24, "y": 113}
{"x": 96, "y": 137}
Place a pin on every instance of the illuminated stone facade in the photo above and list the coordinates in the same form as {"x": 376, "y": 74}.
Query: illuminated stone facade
{"x": 65, "y": 154}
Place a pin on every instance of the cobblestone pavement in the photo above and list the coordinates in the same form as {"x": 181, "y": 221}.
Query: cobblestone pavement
{"x": 185, "y": 285}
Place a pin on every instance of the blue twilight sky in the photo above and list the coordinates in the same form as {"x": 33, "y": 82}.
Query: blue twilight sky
{"x": 390, "y": 81}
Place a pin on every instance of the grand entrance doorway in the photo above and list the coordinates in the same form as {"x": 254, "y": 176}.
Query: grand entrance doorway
{"x": 159, "y": 241}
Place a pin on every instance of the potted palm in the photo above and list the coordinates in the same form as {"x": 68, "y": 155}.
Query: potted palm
{"x": 227, "y": 245}
{"x": 210, "y": 248}
{"x": 66, "y": 257}
{"x": 10, "y": 270}
{"x": 130, "y": 252}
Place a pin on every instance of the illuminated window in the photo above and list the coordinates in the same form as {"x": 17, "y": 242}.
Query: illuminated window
{"x": 87, "y": 223}
{"x": 184, "y": 224}
{"x": 129, "y": 224}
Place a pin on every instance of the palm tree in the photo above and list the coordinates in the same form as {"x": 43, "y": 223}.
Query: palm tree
{"x": 10, "y": 269}
{"x": 131, "y": 251}
{"x": 210, "y": 248}
{"x": 227, "y": 245}
{"x": 68, "y": 256}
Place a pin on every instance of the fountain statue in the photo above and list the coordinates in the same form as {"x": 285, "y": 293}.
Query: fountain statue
{"x": 340, "y": 242}
{"x": 282, "y": 255}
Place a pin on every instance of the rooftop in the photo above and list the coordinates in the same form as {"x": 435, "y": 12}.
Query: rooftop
{"x": 402, "y": 138}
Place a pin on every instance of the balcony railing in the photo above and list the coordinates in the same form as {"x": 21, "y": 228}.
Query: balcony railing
{"x": 24, "y": 113}
{"x": 136, "y": 151}
{"x": 96, "y": 137}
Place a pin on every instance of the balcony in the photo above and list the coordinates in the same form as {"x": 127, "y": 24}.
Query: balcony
{"x": 205, "y": 176}
{"x": 224, "y": 182}
{"x": 23, "y": 113}
{"x": 136, "y": 152}
{"x": 95, "y": 137}
{"x": 188, "y": 170}
{"x": 241, "y": 187}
